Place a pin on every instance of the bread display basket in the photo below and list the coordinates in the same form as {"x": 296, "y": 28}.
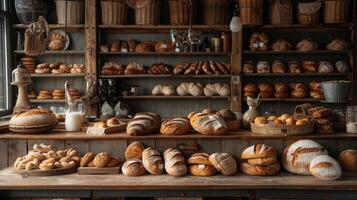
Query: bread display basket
{"x": 282, "y": 130}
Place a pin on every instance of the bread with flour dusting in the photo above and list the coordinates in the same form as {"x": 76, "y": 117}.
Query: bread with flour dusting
{"x": 176, "y": 126}
{"x": 325, "y": 167}
{"x": 208, "y": 124}
{"x": 175, "y": 164}
{"x": 143, "y": 124}
{"x": 153, "y": 161}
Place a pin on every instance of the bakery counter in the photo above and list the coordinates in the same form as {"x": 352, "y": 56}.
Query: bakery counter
{"x": 241, "y": 134}
{"x": 73, "y": 185}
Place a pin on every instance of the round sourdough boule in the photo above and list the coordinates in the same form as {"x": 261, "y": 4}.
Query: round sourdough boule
{"x": 348, "y": 160}
{"x": 260, "y": 170}
{"x": 87, "y": 158}
{"x": 134, "y": 150}
{"x": 202, "y": 170}
{"x": 113, "y": 162}
{"x": 258, "y": 151}
{"x": 33, "y": 117}
{"x": 262, "y": 161}
{"x": 199, "y": 159}
{"x": 133, "y": 167}
{"x": 176, "y": 126}
{"x": 101, "y": 160}
{"x": 325, "y": 167}
{"x": 224, "y": 163}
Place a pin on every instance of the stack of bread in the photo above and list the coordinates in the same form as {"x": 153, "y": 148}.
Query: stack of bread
{"x": 74, "y": 93}
{"x": 45, "y": 94}
{"x": 58, "y": 94}
{"x": 100, "y": 160}
{"x": 43, "y": 68}
{"x": 202, "y": 67}
{"x": 59, "y": 68}
{"x": 143, "y": 124}
{"x": 29, "y": 63}
{"x": 260, "y": 160}
{"x": 133, "y": 166}
{"x": 44, "y": 157}
{"x": 140, "y": 47}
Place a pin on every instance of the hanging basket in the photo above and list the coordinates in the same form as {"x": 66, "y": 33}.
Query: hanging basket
{"x": 74, "y": 11}
{"x": 180, "y": 12}
{"x": 114, "y": 12}
{"x": 216, "y": 11}
{"x": 280, "y": 12}
{"x": 147, "y": 12}
{"x": 309, "y": 13}
{"x": 336, "y": 11}
{"x": 251, "y": 12}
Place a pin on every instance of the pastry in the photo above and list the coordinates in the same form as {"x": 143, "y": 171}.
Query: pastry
{"x": 176, "y": 126}
{"x": 217, "y": 89}
{"x": 224, "y": 163}
{"x": 306, "y": 45}
{"x": 249, "y": 67}
{"x": 338, "y": 45}
{"x": 144, "y": 123}
{"x": 348, "y": 160}
{"x": 342, "y": 66}
{"x": 260, "y": 170}
{"x": 325, "y": 67}
{"x": 258, "y": 151}
{"x": 294, "y": 67}
{"x": 87, "y": 158}
{"x": 163, "y": 46}
{"x": 259, "y": 42}
{"x": 135, "y": 68}
{"x": 166, "y": 90}
{"x": 309, "y": 66}
{"x": 133, "y": 167}
{"x": 325, "y": 167}
{"x": 208, "y": 124}
{"x": 101, "y": 160}
{"x": 199, "y": 165}
{"x": 115, "y": 46}
{"x": 263, "y": 67}
{"x": 134, "y": 150}
{"x": 189, "y": 88}
{"x": 281, "y": 45}
{"x": 181, "y": 67}
{"x": 278, "y": 67}
{"x": 152, "y": 161}
{"x": 227, "y": 115}
{"x": 159, "y": 68}
{"x": 297, "y": 156}
{"x": 174, "y": 162}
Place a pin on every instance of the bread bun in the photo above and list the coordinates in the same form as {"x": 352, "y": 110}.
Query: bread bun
{"x": 153, "y": 161}
{"x": 258, "y": 151}
{"x": 294, "y": 67}
{"x": 176, "y": 126}
{"x": 134, "y": 150}
{"x": 249, "y": 67}
{"x": 263, "y": 67}
{"x": 224, "y": 163}
{"x": 112, "y": 122}
{"x": 32, "y": 118}
{"x": 133, "y": 167}
{"x": 260, "y": 170}
{"x": 325, "y": 167}
{"x": 281, "y": 45}
{"x": 278, "y": 67}
{"x": 174, "y": 162}
{"x": 348, "y": 160}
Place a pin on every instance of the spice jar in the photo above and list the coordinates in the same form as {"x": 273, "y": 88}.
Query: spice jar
{"x": 351, "y": 119}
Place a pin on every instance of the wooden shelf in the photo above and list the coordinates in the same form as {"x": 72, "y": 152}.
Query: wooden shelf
{"x": 295, "y": 100}
{"x": 162, "y": 28}
{"x": 168, "y": 53}
{"x": 70, "y": 28}
{"x": 55, "y": 52}
{"x": 297, "y": 52}
{"x": 164, "y": 76}
{"x": 302, "y": 27}
{"x": 49, "y": 100}
{"x": 174, "y": 97}
{"x": 299, "y": 75}
{"x": 57, "y": 75}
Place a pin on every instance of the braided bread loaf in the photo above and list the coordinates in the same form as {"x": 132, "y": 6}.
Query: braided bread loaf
{"x": 144, "y": 123}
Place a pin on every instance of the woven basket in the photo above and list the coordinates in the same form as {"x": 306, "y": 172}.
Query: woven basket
{"x": 309, "y": 13}
{"x": 283, "y": 130}
{"x": 336, "y": 11}
{"x": 281, "y": 12}
{"x": 251, "y": 11}
{"x": 74, "y": 11}
{"x": 147, "y": 12}
{"x": 180, "y": 12}
{"x": 114, "y": 12}
{"x": 216, "y": 11}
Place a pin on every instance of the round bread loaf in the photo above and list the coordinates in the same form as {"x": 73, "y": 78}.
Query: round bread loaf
{"x": 260, "y": 170}
{"x": 224, "y": 163}
{"x": 227, "y": 114}
{"x": 33, "y": 117}
{"x": 208, "y": 124}
{"x": 348, "y": 160}
{"x": 199, "y": 158}
{"x": 258, "y": 151}
{"x": 262, "y": 161}
{"x": 325, "y": 167}
{"x": 176, "y": 126}
{"x": 113, "y": 122}
{"x": 153, "y": 161}
{"x": 101, "y": 160}
{"x": 202, "y": 170}
{"x": 133, "y": 167}
{"x": 134, "y": 150}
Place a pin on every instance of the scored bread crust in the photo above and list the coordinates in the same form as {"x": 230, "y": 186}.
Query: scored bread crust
{"x": 202, "y": 170}
{"x": 262, "y": 161}
{"x": 260, "y": 170}
{"x": 34, "y": 117}
{"x": 224, "y": 163}
{"x": 153, "y": 161}
{"x": 199, "y": 158}
{"x": 259, "y": 151}
{"x": 134, "y": 150}
{"x": 174, "y": 162}
{"x": 144, "y": 123}
{"x": 176, "y": 126}
{"x": 208, "y": 124}
{"x": 133, "y": 167}
{"x": 325, "y": 167}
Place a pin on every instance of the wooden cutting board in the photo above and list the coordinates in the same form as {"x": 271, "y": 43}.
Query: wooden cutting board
{"x": 95, "y": 170}
{"x": 50, "y": 172}
{"x": 104, "y": 131}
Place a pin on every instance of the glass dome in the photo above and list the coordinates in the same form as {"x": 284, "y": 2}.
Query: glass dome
{"x": 21, "y": 74}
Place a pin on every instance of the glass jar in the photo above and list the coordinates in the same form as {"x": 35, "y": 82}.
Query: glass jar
{"x": 351, "y": 119}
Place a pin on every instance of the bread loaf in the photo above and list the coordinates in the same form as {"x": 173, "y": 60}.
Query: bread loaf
{"x": 134, "y": 150}
{"x": 260, "y": 170}
{"x": 208, "y": 124}
{"x": 135, "y": 68}
{"x": 200, "y": 165}
{"x": 101, "y": 160}
{"x": 189, "y": 88}
{"x": 181, "y": 67}
{"x": 176, "y": 126}
{"x": 153, "y": 161}
{"x": 348, "y": 160}
{"x": 297, "y": 156}
{"x": 258, "y": 151}
{"x": 227, "y": 114}
{"x": 166, "y": 90}
{"x": 144, "y": 123}
{"x": 174, "y": 162}
{"x": 133, "y": 167}
{"x": 33, "y": 117}
{"x": 306, "y": 45}
{"x": 217, "y": 89}
{"x": 224, "y": 163}
{"x": 325, "y": 167}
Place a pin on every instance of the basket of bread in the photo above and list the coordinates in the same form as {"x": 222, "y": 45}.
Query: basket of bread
{"x": 285, "y": 125}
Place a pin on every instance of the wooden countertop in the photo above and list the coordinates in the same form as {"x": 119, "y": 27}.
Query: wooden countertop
{"x": 241, "y": 134}
{"x": 9, "y": 180}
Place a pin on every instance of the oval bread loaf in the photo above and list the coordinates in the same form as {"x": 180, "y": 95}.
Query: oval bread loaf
{"x": 174, "y": 162}
{"x": 144, "y": 123}
{"x": 176, "y": 126}
{"x": 153, "y": 161}
{"x": 325, "y": 167}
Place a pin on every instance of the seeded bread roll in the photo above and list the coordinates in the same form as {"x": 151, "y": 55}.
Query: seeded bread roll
{"x": 174, "y": 162}
{"x": 258, "y": 151}
{"x": 101, "y": 160}
{"x": 325, "y": 167}
{"x": 260, "y": 170}
{"x": 208, "y": 124}
{"x": 176, "y": 126}
{"x": 133, "y": 167}
{"x": 153, "y": 161}
{"x": 134, "y": 150}
{"x": 224, "y": 163}
{"x": 143, "y": 124}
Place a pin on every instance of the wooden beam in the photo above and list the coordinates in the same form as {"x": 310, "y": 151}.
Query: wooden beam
{"x": 236, "y": 71}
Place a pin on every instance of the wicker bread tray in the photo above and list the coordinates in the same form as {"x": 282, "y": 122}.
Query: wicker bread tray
{"x": 285, "y": 130}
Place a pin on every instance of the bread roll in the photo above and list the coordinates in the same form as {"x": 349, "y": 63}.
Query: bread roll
{"x": 249, "y": 67}
{"x": 260, "y": 170}
{"x": 133, "y": 167}
{"x": 166, "y": 90}
{"x": 258, "y": 151}
{"x": 208, "y": 124}
{"x": 306, "y": 45}
{"x": 101, "y": 160}
{"x": 153, "y": 161}
{"x": 134, "y": 150}
{"x": 325, "y": 167}
{"x": 338, "y": 45}
{"x": 144, "y": 123}
{"x": 174, "y": 162}
{"x": 348, "y": 160}
{"x": 297, "y": 156}
{"x": 176, "y": 126}
{"x": 224, "y": 163}
{"x": 216, "y": 89}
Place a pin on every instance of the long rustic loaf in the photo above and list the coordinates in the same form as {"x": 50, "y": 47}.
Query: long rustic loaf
{"x": 174, "y": 162}
{"x": 143, "y": 124}
{"x": 208, "y": 124}
{"x": 153, "y": 161}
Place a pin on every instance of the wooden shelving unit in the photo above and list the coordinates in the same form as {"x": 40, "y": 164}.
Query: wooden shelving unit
{"x": 301, "y": 27}
{"x": 162, "y": 28}
{"x": 70, "y": 27}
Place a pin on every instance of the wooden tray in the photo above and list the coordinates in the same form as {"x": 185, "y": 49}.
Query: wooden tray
{"x": 95, "y": 170}
{"x": 50, "y": 172}
{"x": 104, "y": 131}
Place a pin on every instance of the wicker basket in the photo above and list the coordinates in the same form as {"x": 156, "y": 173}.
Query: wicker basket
{"x": 283, "y": 130}
{"x": 309, "y": 13}
{"x": 336, "y": 11}
{"x": 281, "y": 12}
{"x": 216, "y": 11}
{"x": 251, "y": 11}
{"x": 114, "y": 12}
{"x": 147, "y": 12}
{"x": 74, "y": 11}
{"x": 180, "y": 12}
